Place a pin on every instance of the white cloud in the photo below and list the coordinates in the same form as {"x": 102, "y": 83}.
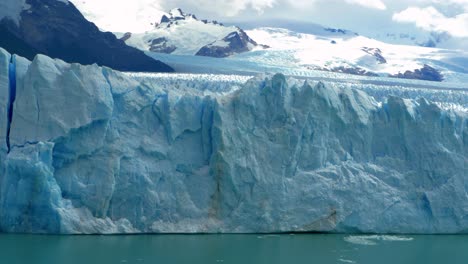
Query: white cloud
{"x": 375, "y": 4}
{"x": 137, "y": 15}
{"x": 222, "y": 7}
{"x": 234, "y": 7}
{"x": 460, "y": 3}
{"x": 121, "y": 15}
{"x": 358, "y": 15}
{"x": 430, "y": 19}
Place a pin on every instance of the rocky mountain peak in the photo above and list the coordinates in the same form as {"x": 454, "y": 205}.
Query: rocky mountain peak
{"x": 183, "y": 33}
{"x": 176, "y": 14}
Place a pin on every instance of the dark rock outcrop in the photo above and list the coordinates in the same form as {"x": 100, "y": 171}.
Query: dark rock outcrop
{"x": 160, "y": 45}
{"x": 126, "y": 36}
{"x": 355, "y": 71}
{"x": 375, "y": 52}
{"x": 426, "y": 73}
{"x": 336, "y": 30}
{"x": 236, "y": 42}
{"x": 175, "y": 15}
{"x": 14, "y": 44}
{"x": 348, "y": 70}
{"x": 164, "y": 19}
{"x": 58, "y": 30}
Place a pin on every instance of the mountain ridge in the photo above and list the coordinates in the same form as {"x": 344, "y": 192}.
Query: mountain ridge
{"x": 57, "y": 28}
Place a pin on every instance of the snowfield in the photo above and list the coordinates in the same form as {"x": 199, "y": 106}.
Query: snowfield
{"x": 298, "y": 54}
{"x": 92, "y": 150}
{"x": 350, "y": 51}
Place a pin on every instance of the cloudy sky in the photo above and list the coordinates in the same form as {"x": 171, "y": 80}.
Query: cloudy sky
{"x": 449, "y": 16}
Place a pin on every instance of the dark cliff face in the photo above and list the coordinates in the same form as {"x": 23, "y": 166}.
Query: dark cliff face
{"x": 59, "y": 30}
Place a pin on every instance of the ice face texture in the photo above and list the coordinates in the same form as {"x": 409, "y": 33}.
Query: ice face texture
{"x": 98, "y": 151}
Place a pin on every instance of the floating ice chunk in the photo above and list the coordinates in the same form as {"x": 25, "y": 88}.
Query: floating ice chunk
{"x": 372, "y": 240}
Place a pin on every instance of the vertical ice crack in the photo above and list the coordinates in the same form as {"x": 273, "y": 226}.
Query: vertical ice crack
{"x": 11, "y": 97}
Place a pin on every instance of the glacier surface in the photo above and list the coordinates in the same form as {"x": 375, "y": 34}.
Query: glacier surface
{"x": 92, "y": 150}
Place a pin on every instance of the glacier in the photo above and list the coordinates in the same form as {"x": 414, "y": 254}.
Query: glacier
{"x": 89, "y": 150}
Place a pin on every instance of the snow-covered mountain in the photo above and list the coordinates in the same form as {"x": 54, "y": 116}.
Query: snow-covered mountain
{"x": 394, "y": 33}
{"x": 56, "y": 28}
{"x": 332, "y": 50}
{"x": 321, "y": 48}
{"x": 181, "y": 33}
{"x": 344, "y": 51}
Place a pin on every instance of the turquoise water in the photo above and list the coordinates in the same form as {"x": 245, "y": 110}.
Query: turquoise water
{"x": 226, "y": 249}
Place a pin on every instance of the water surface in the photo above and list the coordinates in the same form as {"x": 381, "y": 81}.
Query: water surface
{"x": 271, "y": 249}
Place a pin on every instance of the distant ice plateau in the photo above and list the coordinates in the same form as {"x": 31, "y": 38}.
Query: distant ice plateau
{"x": 85, "y": 149}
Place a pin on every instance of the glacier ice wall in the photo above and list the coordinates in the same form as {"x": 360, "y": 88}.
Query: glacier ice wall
{"x": 4, "y": 97}
{"x": 98, "y": 151}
